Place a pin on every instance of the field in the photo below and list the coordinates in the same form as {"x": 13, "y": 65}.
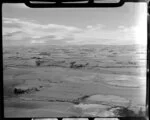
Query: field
{"x": 74, "y": 81}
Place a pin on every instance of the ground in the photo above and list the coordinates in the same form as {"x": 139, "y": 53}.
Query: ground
{"x": 80, "y": 81}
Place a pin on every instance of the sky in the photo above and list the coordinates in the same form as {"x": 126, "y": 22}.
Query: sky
{"x": 66, "y": 26}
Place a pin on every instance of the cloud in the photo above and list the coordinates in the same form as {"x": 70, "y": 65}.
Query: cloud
{"x": 8, "y": 30}
{"x": 28, "y": 26}
{"x": 89, "y": 26}
{"x": 32, "y": 32}
{"x": 35, "y": 31}
{"x": 39, "y": 41}
{"x": 121, "y": 35}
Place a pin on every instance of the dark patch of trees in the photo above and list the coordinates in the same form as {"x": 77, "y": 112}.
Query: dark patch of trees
{"x": 74, "y": 65}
